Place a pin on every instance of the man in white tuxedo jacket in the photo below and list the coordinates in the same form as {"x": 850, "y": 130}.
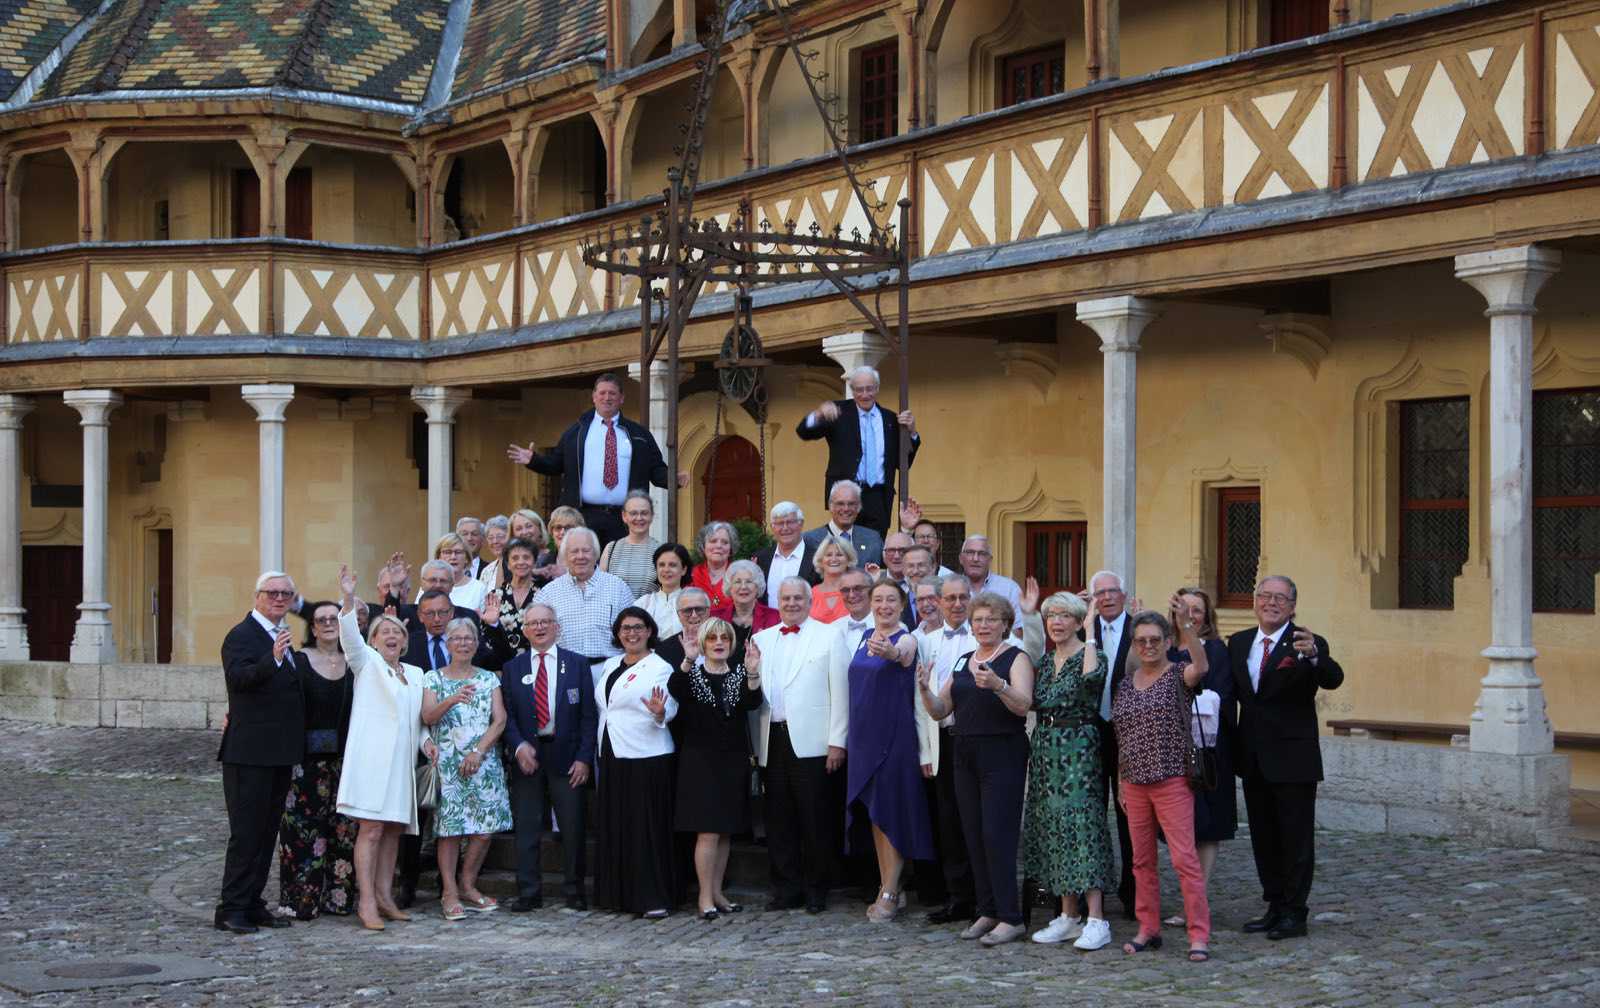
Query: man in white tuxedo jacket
{"x": 804, "y": 718}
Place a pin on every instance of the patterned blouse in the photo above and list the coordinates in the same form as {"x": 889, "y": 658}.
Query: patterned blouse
{"x": 1152, "y": 727}
{"x": 511, "y": 615}
{"x": 632, "y": 563}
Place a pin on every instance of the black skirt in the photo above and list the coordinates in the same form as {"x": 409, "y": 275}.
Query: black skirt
{"x": 713, "y": 792}
{"x": 634, "y": 842}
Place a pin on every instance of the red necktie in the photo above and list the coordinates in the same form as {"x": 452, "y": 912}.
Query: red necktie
{"x": 1266, "y": 650}
{"x": 541, "y": 697}
{"x": 611, "y": 455}
{"x": 789, "y": 629}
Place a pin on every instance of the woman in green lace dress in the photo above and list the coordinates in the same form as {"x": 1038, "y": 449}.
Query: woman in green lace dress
{"x": 1066, "y": 845}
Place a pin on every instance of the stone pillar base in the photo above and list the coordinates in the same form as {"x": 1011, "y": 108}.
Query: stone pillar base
{"x": 93, "y": 642}
{"x": 13, "y": 635}
{"x": 1443, "y": 791}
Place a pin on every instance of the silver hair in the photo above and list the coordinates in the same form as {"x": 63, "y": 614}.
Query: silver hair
{"x": 643, "y": 495}
{"x": 261, "y": 582}
{"x": 802, "y": 582}
{"x": 1066, "y": 602}
{"x": 1294, "y": 593}
{"x": 865, "y": 369}
{"x": 499, "y": 522}
{"x": 1110, "y": 574}
{"x": 852, "y": 484}
{"x": 755, "y": 572}
{"x": 695, "y": 591}
{"x": 462, "y": 621}
{"x": 784, "y": 509}
{"x": 467, "y": 518}
{"x": 567, "y": 540}
{"x": 965, "y": 582}
{"x": 436, "y": 565}
{"x": 709, "y": 528}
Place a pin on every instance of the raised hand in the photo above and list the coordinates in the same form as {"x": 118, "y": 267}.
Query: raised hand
{"x": 910, "y": 513}
{"x": 280, "y": 645}
{"x": 656, "y": 703}
{"x": 923, "y": 674}
{"x": 1305, "y": 642}
{"x": 1029, "y": 602}
{"x": 752, "y": 658}
{"x": 519, "y": 454}
{"x": 829, "y": 410}
{"x": 347, "y": 582}
{"x": 908, "y": 421}
{"x": 1135, "y": 604}
{"x": 489, "y": 609}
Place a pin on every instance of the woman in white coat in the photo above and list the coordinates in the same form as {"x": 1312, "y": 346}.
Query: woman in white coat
{"x": 378, "y": 787}
{"x": 635, "y": 843}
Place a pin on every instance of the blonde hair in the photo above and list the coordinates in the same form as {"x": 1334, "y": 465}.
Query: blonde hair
{"x": 449, "y": 539}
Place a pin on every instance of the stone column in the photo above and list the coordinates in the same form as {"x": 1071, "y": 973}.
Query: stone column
{"x": 1510, "y": 716}
{"x": 13, "y": 631}
{"x": 657, "y": 422}
{"x": 440, "y": 404}
{"x": 855, "y": 349}
{"x": 270, "y": 402}
{"x": 93, "y": 642}
{"x": 1119, "y": 321}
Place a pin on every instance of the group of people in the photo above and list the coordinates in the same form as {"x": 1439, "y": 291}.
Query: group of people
{"x": 888, "y": 709}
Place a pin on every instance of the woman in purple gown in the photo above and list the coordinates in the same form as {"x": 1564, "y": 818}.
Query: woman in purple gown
{"x": 886, "y": 768}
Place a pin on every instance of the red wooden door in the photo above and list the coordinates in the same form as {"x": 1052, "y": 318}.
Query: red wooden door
{"x": 736, "y": 492}
{"x": 52, "y": 587}
{"x": 1056, "y": 555}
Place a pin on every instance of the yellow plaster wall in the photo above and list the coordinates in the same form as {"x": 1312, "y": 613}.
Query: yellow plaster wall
{"x": 196, "y": 180}
{"x": 1157, "y": 34}
{"x": 567, "y": 170}
{"x": 47, "y": 203}
{"x": 978, "y": 36}
{"x": 384, "y": 204}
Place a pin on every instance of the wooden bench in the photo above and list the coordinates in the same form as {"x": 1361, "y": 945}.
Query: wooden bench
{"x": 1390, "y": 730}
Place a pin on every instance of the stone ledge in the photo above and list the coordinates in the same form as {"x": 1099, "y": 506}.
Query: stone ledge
{"x": 1442, "y": 791}
{"x": 124, "y": 695}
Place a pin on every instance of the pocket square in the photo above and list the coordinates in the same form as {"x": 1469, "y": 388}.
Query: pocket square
{"x": 1287, "y": 662}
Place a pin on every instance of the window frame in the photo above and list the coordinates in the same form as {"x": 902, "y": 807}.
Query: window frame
{"x": 1226, "y": 496}
{"x": 1562, "y": 501}
{"x": 1405, "y": 504}
{"x": 1053, "y": 53}
{"x": 886, "y": 122}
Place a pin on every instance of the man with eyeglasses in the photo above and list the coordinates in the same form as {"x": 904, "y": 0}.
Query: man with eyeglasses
{"x": 1277, "y": 669}
{"x": 926, "y": 534}
{"x": 551, "y": 723}
{"x": 844, "y": 510}
{"x": 863, "y": 445}
{"x": 586, "y": 600}
{"x": 789, "y": 555}
{"x": 693, "y": 607}
{"x": 263, "y": 737}
{"x": 1108, "y": 604}
{"x": 976, "y": 560}
{"x": 939, "y": 649}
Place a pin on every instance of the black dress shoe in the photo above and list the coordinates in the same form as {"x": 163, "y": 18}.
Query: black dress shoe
{"x": 952, "y": 913}
{"x": 816, "y": 906}
{"x": 785, "y": 903}
{"x": 523, "y": 904}
{"x": 1266, "y": 922}
{"x": 1288, "y": 927}
{"x": 405, "y": 896}
{"x": 236, "y": 924}
{"x": 267, "y": 920}
{"x": 577, "y": 903}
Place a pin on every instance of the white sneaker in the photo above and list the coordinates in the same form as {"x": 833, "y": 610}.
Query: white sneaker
{"x": 1063, "y": 928}
{"x": 1096, "y": 935}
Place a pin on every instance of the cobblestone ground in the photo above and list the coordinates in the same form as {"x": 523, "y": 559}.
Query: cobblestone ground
{"x": 111, "y": 846}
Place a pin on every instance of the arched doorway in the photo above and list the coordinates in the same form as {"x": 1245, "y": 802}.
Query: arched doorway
{"x": 737, "y": 494}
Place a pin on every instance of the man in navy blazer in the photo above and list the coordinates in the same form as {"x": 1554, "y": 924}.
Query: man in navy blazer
{"x": 587, "y": 483}
{"x": 844, "y": 507}
{"x": 264, "y": 738}
{"x": 1277, "y": 669}
{"x": 863, "y": 445}
{"x": 554, "y": 758}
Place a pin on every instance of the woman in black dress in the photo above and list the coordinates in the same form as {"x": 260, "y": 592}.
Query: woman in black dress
{"x": 633, "y": 846}
{"x": 714, "y": 700}
{"x": 1216, "y": 811}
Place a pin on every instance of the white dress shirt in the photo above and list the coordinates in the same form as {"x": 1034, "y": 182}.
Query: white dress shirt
{"x": 592, "y": 488}
{"x": 1255, "y": 654}
{"x": 783, "y": 567}
{"x": 552, "y": 673}
{"x": 947, "y": 650}
{"x": 777, "y": 658}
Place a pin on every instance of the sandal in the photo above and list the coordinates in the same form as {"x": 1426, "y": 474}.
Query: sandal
{"x": 453, "y": 911}
{"x": 1150, "y": 944}
{"x": 480, "y": 903}
{"x": 876, "y": 912}
{"x": 1199, "y": 955}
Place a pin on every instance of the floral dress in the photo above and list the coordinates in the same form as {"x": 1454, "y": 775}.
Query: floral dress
{"x": 480, "y": 803}
{"x": 1066, "y": 844}
{"x": 316, "y": 845}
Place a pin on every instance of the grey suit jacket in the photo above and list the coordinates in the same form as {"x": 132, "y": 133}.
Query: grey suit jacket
{"x": 868, "y": 544}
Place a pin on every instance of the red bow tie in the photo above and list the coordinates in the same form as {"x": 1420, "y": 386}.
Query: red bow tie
{"x": 789, "y": 629}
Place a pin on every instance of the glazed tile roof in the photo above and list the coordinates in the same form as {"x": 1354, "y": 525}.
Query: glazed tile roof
{"x": 378, "y": 49}
{"x": 29, "y": 30}
{"x": 508, "y": 39}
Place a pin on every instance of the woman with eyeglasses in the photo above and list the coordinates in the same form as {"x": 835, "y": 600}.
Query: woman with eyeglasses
{"x": 465, "y": 591}
{"x": 1150, "y": 713}
{"x": 671, "y": 562}
{"x": 719, "y": 544}
{"x": 631, "y": 557}
{"x": 463, "y": 705}
{"x": 634, "y": 843}
{"x": 1066, "y": 843}
{"x": 496, "y": 533}
{"x": 990, "y": 691}
{"x": 715, "y": 697}
{"x": 316, "y": 845}
{"x": 512, "y": 599}
{"x": 746, "y": 586}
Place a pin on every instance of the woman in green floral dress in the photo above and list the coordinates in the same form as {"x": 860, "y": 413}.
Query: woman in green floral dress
{"x": 463, "y": 704}
{"x": 1066, "y": 845}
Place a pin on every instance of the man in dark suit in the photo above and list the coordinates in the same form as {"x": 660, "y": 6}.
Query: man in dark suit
{"x": 1108, "y": 602}
{"x": 599, "y": 459}
{"x": 789, "y": 556}
{"x": 844, "y": 506}
{"x": 550, "y": 729}
{"x": 425, "y": 626}
{"x": 264, "y": 737}
{"x": 1277, "y": 669}
{"x": 863, "y": 445}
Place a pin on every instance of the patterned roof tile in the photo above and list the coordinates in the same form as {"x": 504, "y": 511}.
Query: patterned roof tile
{"x": 379, "y": 49}
{"x": 29, "y": 30}
{"x": 508, "y": 39}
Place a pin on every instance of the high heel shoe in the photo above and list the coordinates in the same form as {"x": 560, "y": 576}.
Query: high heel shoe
{"x": 374, "y": 924}
{"x": 394, "y": 913}
{"x": 876, "y": 911}
{"x": 709, "y": 915}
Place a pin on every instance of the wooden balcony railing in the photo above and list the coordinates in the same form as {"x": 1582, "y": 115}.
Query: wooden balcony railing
{"x": 1455, "y": 89}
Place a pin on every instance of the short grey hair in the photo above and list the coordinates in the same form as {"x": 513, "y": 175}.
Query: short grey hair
{"x": 1294, "y": 593}
{"x": 436, "y": 565}
{"x": 459, "y": 622}
{"x": 960, "y": 578}
{"x": 1066, "y": 602}
{"x": 1110, "y": 574}
{"x": 711, "y": 528}
{"x": 567, "y": 540}
{"x": 640, "y": 495}
{"x": 866, "y": 370}
{"x": 754, "y": 570}
{"x": 499, "y": 522}
{"x": 850, "y": 483}
{"x": 261, "y": 582}
{"x": 802, "y": 582}
{"x": 784, "y": 509}
{"x": 692, "y": 591}
{"x": 467, "y": 518}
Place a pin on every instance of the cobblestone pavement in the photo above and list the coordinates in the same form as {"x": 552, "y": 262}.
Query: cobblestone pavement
{"x": 111, "y": 846}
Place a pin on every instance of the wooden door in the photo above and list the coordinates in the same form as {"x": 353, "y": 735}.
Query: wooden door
{"x": 52, "y": 587}
{"x": 1056, "y": 555}
{"x": 736, "y": 492}
{"x": 163, "y": 599}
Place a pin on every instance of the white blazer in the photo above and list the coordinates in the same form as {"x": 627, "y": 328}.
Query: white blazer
{"x": 633, "y": 729}
{"x": 928, "y": 734}
{"x": 380, "y": 754}
{"x": 816, "y": 691}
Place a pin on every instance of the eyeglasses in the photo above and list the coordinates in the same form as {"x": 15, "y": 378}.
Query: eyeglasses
{"x": 785, "y": 522}
{"x": 953, "y": 599}
{"x": 1278, "y": 597}
{"x": 1146, "y": 643}
{"x": 893, "y": 549}
{"x": 862, "y": 389}
{"x": 561, "y": 528}
{"x": 847, "y": 505}
{"x": 276, "y": 593}
{"x": 1107, "y": 592}
{"x": 974, "y": 552}
{"x": 534, "y": 624}
{"x": 986, "y": 620}
{"x": 458, "y": 639}
{"x": 326, "y": 621}
{"x": 633, "y": 628}
{"x": 1058, "y": 614}
{"x": 695, "y": 610}
{"x": 853, "y": 591}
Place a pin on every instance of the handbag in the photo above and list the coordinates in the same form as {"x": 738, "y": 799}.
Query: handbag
{"x": 1194, "y": 761}
{"x": 1202, "y": 761}
{"x": 427, "y": 781}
